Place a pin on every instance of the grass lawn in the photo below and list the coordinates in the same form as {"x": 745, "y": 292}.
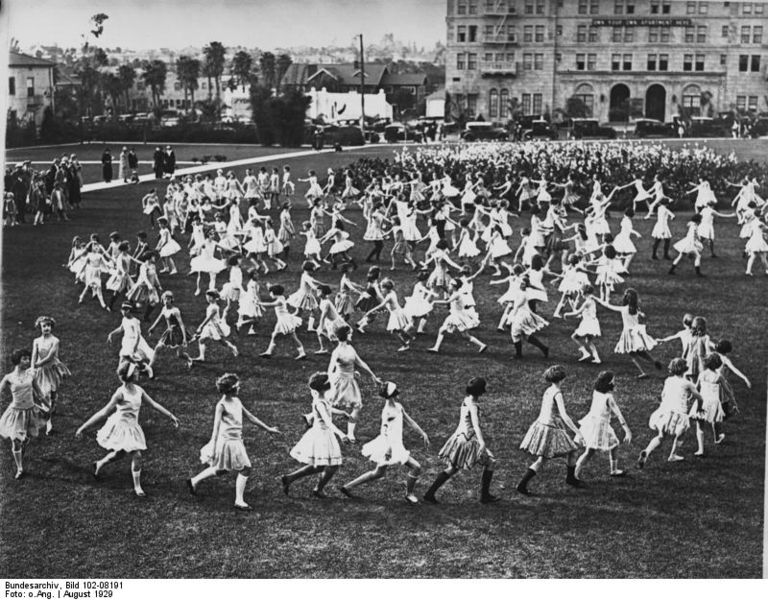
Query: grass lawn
{"x": 700, "y": 518}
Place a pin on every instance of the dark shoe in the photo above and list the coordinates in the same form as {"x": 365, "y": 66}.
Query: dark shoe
{"x": 489, "y": 499}
{"x": 285, "y": 483}
{"x": 430, "y": 499}
{"x": 319, "y": 494}
{"x": 641, "y": 459}
{"x": 523, "y": 490}
{"x": 191, "y": 487}
{"x": 346, "y": 492}
{"x": 572, "y": 481}
{"x": 244, "y": 507}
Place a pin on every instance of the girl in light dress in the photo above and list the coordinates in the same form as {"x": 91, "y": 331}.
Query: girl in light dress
{"x": 318, "y": 449}
{"x": 507, "y": 300}
{"x": 345, "y": 305}
{"x": 339, "y": 250}
{"x": 314, "y": 192}
{"x": 255, "y": 246}
{"x": 206, "y": 262}
{"x": 466, "y": 447}
{"x": 197, "y": 237}
{"x": 498, "y": 249}
{"x": 312, "y": 247}
{"x": 573, "y": 280}
{"x": 756, "y": 246}
{"x": 230, "y": 291}
{"x": 641, "y": 194}
{"x": 710, "y": 412}
{"x": 467, "y": 241}
{"x": 329, "y": 321}
{"x": 634, "y": 341}
{"x": 419, "y": 304}
{"x": 706, "y": 228}
{"x": 548, "y": 438}
{"x": 690, "y": 245}
{"x": 370, "y": 297}
{"x": 76, "y": 260}
{"x": 661, "y": 230}
{"x": 49, "y": 370}
{"x": 537, "y": 291}
{"x": 399, "y": 322}
{"x": 175, "y": 336}
{"x": 699, "y": 346}
{"x": 166, "y": 247}
{"x": 120, "y": 281}
{"x": 287, "y": 230}
{"x": 595, "y": 428}
{"x": 213, "y": 328}
{"x": 146, "y": 291}
{"x": 27, "y": 414}
{"x": 671, "y": 418}
{"x": 288, "y": 189}
{"x": 589, "y": 327}
{"x": 400, "y": 245}
{"x": 249, "y": 309}
{"x": 439, "y": 279}
{"x": 374, "y": 232}
{"x": 460, "y": 319}
{"x": 96, "y": 263}
{"x": 121, "y": 434}
{"x": 225, "y": 451}
{"x": 609, "y": 269}
{"x": 274, "y": 245}
{"x": 134, "y": 348}
{"x": 305, "y": 298}
{"x": 622, "y": 243}
{"x": 286, "y": 323}
{"x": 524, "y": 323}
{"x": 387, "y": 448}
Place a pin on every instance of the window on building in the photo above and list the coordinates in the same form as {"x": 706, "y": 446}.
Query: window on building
{"x": 472, "y": 61}
{"x": 703, "y": 8}
{"x": 591, "y": 62}
{"x": 655, "y": 7}
{"x": 537, "y": 103}
{"x": 618, "y": 7}
{"x": 500, "y": 57}
{"x": 746, "y": 34}
{"x": 757, "y": 34}
{"x": 581, "y": 62}
{"x": 559, "y": 31}
{"x": 653, "y": 34}
{"x": 690, "y": 35}
{"x": 723, "y": 60}
{"x": 692, "y": 100}
{"x": 473, "y": 33}
{"x": 586, "y": 94}
{"x": 630, "y": 7}
{"x": 690, "y": 8}
{"x": 472, "y": 7}
{"x": 615, "y": 62}
{"x": 724, "y": 32}
{"x": 538, "y": 62}
{"x": 754, "y": 65}
{"x": 752, "y": 103}
{"x": 701, "y": 34}
{"x": 472, "y": 104}
{"x": 528, "y": 33}
{"x": 461, "y": 34}
{"x": 488, "y": 32}
{"x": 490, "y": 5}
{"x": 528, "y": 7}
{"x": 511, "y": 33}
{"x": 461, "y": 63}
{"x": 594, "y": 7}
{"x": 629, "y": 34}
{"x": 540, "y": 7}
{"x": 581, "y": 33}
{"x": 746, "y": 8}
{"x": 510, "y": 57}
{"x": 699, "y": 65}
{"x": 665, "y": 7}
{"x": 582, "y": 10}
{"x": 594, "y": 34}
{"x": 30, "y": 86}
{"x": 528, "y": 62}
{"x": 460, "y": 100}
{"x": 664, "y": 34}
{"x": 493, "y": 103}
{"x": 503, "y": 103}
{"x": 741, "y": 103}
{"x": 759, "y": 8}
{"x": 687, "y": 62}
{"x": 652, "y": 59}
{"x": 177, "y": 86}
{"x": 461, "y": 7}
{"x": 616, "y": 35}
{"x": 526, "y": 101}
{"x": 663, "y": 62}
{"x": 743, "y": 63}
{"x": 539, "y": 33}
{"x": 627, "y": 63}
{"x": 558, "y": 57}
{"x": 488, "y": 57}
{"x": 11, "y": 86}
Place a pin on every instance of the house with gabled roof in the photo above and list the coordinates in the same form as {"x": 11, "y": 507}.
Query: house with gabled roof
{"x": 30, "y": 87}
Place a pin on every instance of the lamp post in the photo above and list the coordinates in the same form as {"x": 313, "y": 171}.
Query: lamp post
{"x": 362, "y": 87}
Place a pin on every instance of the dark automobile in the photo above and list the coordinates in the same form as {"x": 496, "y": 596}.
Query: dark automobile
{"x": 400, "y": 132}
{"x": 591, "y": 128}
{"x": 541, "y": 130}
{"x": 708, "y": 127}
{"x": 760, "y": 128}
{"x": 482, "y": 130}
{"x": 646, "y": 128}
{"x": 334, "y": 134}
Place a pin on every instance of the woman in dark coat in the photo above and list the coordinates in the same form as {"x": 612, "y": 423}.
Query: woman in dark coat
{"x": 170, "y": 161}
{"x": 106, "y": 165}
{"x": 158, "y": 159}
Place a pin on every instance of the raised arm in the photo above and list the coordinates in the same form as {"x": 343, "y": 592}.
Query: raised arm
{"x": 258, "y": 422}
{"x": 98, "y": 416}
{"x": 415, "y": 426}
{"x": 159, "y": 408}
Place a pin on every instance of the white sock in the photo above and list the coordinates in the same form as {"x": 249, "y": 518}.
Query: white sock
{"x": 137, "y": 480}
{"x": 17, "y": 459}
{"x": 240, "y": 488}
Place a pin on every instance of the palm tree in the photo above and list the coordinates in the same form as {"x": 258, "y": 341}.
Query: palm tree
{"x": 127, "y": 75}
{"x": 242, "y": 63}
{"x": 188, "y": 70}
{"x": 214, "y": 64}
{"x": 267, "y": 66}
{"x": 154, "y": 76}
{"x": 283, "y": 62}
{"x": 113, "y": 87}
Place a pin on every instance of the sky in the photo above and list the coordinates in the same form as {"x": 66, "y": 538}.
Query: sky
{"x": 266, "y": 24}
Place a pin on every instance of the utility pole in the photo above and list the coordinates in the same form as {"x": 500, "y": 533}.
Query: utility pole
{"x": 362, "y": 87}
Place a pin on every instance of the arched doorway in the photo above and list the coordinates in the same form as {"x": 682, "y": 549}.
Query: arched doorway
{"x": 655, "y": 102}
{"x": 619, "y": 103}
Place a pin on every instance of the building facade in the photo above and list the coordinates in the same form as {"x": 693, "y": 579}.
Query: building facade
{"x": 30, "y": 87}
{"x": 620, "y": 59}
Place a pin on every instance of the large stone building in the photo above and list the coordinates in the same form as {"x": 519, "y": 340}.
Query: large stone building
{"x": 622, "y": 58}
{"x": 30, "y": 87}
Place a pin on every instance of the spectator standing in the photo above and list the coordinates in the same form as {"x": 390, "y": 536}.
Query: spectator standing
{"x": 158, "y": 159}
{"x": 123, "y": 167}
{"x": 20, "y": 191}
{"x": 106, "y": 165}
{"x": 170, "y": 161}
{"x": 133, "y": 165}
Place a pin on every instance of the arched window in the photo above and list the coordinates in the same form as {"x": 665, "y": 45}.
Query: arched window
{"x": 586, "y": 93}
{"x": 692, "y": 100}
{"x": 493, "y": 103}
{"x": 503, "y": 104}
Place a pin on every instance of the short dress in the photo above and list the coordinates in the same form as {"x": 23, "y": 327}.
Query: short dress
{"x": 370, "y": 298}
{"x": 467, "y": 246}
{"x": 120, "y": 278}
{"x": 227, "y": 451}
{"x": 622, "y": 243}
{"x": 344, "y": 303}
{"x": 573, "y": 281}
{"x": 286, "y": 321}
{"x": 216, "y": 328}
{"x": 462, "y": 449}
{"x": 706, "y": 228}
{"x": 374, "y": 231}
{"x": 690, "y": 244}
{"x": 95, "y": 265}
{"x": 22, "y": 419}
{"x": 341, "y": 243}
{"x": 387, "y": 448}
{"x": 460, "y": 318}
{"x": 536, "y": 290}
{"x": 205, "y": 262}
{"x": 332, "y": 321}
{"x": 173, "y": 336}
{"x": 168, "y": 246}
{"x": 439, "y": 275}
{"x": 589, "y": 325}
{"x": 672, "y": 415}
{"x": 398, "y": 319}
{"x": 498, "y": 247}
{"x": 50, "y": 375}
{"x": 312, "y": 247}
{"x": 522, "y": 320}
{"x": 145, "y": 289}
{"x": 547, "y": 437}
{"x": 122, "y": 431}
{"x": 711, "y": 407}
{"x": 596, "y": 428}
{"x": 417, "y": 304}
{"x": 346, "y": 391}
{"x": 305, "y": 297}
{"x": 661, "y": 228}
{"x": 131, "y": 332}
{"x": 231, "y": 290}
{"x": 756, "y": 242}
{"x": 318, "y": 446}
{"x": 633, "y": 336}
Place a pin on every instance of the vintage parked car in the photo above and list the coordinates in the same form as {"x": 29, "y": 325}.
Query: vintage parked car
{"x": 708, "y": 127}
{"x": 541, "y": 130}
{"x": 483, "y": 131}
{"x": 591, "y": 129}
{"x": 647, "y": 128}
{"x": 400, "y": 132}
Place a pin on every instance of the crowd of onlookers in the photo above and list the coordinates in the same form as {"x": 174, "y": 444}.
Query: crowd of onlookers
{"x": 163, "y": 164}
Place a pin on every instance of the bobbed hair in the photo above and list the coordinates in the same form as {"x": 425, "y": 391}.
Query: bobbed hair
{"x": 476, "y": 386}
{"x": 604, "y": 382}
{"x": 677, "y": 366}
{"x": 319, "y": 381}
{"x": 554, "y": 374}
{"x": 227, "y": 383}
{"x": 712, "y": 362}
{"x": 17, "y": 355}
